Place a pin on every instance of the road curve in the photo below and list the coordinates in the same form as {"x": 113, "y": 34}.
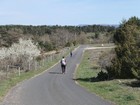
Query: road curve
{"x": 54, "y": 88}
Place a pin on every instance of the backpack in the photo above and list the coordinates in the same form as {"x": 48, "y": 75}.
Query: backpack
{"x": 63, "y": 62}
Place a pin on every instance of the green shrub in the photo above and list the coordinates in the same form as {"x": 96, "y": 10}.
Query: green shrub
{"x": 102, "y": 76}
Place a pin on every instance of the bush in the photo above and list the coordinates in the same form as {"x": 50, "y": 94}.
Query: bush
{"x": 102, "y": 76}
{"x": 68, "y": 44}
{"x": 126, "y": 63}
{"x": 19, "y": 54}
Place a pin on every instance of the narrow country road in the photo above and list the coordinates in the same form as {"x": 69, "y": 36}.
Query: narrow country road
{"x": 54, "y": 88}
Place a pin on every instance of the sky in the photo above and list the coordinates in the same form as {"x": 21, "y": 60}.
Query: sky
{"x": 67, "y": 12}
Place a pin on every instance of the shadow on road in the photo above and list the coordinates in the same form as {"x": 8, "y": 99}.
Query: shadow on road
{"x": 55, "y": 73}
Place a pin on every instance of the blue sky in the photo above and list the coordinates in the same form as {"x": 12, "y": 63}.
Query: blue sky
{"x": 67, "y": 12}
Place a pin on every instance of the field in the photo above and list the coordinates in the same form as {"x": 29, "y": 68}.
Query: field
{"x": 118, "y": 91}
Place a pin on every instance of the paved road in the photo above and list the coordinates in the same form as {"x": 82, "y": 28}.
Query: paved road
{"x": 54, "y": 88}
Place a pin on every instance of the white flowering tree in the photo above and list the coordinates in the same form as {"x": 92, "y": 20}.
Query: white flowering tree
{"x": 22, "y": 52}
{"x": 24, "y": 47}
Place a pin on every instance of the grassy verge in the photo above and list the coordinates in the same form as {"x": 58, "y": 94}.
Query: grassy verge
{"x": 7, "y": 84}
{"x": 117, "y": 91}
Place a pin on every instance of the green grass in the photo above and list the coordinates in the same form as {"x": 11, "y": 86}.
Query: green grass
{"x": 113, "y": 90}
{"x": 7, "y": 84}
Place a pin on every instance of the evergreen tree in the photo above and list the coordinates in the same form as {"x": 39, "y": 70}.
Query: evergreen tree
{"x": 127, "y": 61}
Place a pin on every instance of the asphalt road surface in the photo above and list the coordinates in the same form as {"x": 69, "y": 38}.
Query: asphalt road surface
{"x": 54, "y": 88}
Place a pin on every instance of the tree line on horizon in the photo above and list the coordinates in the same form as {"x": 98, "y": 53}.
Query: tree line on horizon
{"x": 54, "y": 37}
